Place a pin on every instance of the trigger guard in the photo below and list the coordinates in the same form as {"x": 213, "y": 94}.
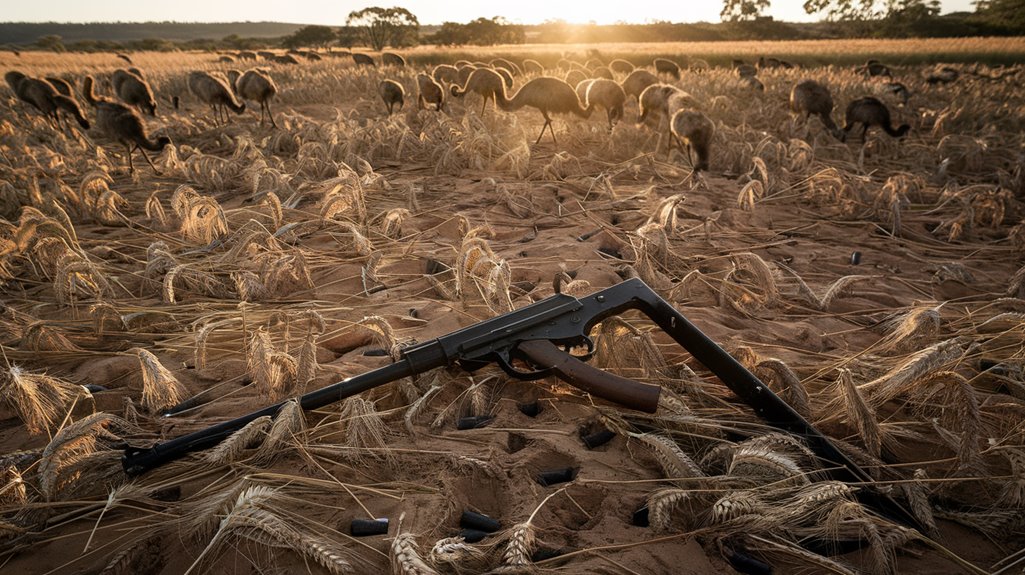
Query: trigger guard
{"x": 505, "y": 363}
{"x": 590, "y": 349}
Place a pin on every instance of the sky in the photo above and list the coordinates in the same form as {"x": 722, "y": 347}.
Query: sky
{"x": 333, "y": 12}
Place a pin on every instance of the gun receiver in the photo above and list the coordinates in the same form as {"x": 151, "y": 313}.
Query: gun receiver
{"x": 532, "y": 333}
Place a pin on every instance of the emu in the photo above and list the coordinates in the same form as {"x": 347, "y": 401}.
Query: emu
{"x": 215, "y": 92}
{"x": 392, "y": 93}
{"x": 809, "y": 97}
{"x": 258, "y": 86}
{"x": 609, "y": 95}
{"x": 123, "y": 124}
{"x": 694, "y": 130}
{"x": 392, "y": 59}
{"x": 868, "y": 112}
{"x": 484, "y": 81}
{"x": 44, "y": 97}
{"x": 430, "y": 92}
{"x": 664, "y": 66}
{"x": 637, "y": 81}
{"x": 363, "y": 60}
{"x": 548, "y": 95}
{"x": 133, "y": 90}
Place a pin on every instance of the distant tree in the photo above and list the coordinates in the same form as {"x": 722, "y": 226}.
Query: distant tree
{"x": 449, "y": 34}
{"x": 233, "y": 41}
{"x": 742, "y": 10}
{"x": 348, "y": 36}
{"x": 317, "y": 36}
{"x": 912, "y": 10}
{"x": 1007, "y": 14}
{"x": 386, "y": 26}
{"x": 842, "y": 9}
{"x": 51, "y": 42}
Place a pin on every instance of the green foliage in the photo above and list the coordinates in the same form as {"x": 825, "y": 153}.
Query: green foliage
{"x": 481, "y": 32}
{"x": 51, "y": 42}
{"x": 742, "y": 10}
{"x": 348, "y": 36}
{"x": 316, "y": 36}
{"x": 842, "y": 10}
{"x": 1006, "y": 14}
{"x": 386, "y": 26}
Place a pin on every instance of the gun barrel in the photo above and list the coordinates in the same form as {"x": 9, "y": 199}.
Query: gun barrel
{"x": 139, "y": 460}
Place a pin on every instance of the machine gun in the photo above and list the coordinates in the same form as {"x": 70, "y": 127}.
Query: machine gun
{"x": 533, "y": 334}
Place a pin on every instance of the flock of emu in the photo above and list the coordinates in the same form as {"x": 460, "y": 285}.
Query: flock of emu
{"x": 664, "y": 107}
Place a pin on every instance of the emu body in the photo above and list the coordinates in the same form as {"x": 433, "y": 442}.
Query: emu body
{"x": 122, "y": 123}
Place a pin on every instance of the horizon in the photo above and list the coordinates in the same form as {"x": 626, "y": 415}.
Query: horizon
{"x": 322, "y": 12}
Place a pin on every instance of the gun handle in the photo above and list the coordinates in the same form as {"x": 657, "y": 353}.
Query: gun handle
{"x": 626, "y": 392}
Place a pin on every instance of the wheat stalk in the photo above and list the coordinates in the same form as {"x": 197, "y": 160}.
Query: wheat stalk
{"x": 405, "y": 555}
{"x": 273, "y": 371}
{"x": 898, "y": 380}
{"x": 231, "y": 449}
{"x": 365, "y": 429}
{"x": 12, "y": 487}
{"x": 766, "y": 464}
{"x": 288, "y": 424}
{"x": 916, "y": 326}
{"x": 859, "y": 412}
{"x": 661, "y": 505}
{"x": 160, "y": 388}
{"x": 456, "y": 552}
{"x": 73, "y": 443}
{"x": 39, "y": 400}
{"x": 672, "y": 459}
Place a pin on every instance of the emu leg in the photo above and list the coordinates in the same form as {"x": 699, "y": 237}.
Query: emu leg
{"x": 270, "y": 114}
{"x": 485, "y": 105}
{"x": 864, "y": 132}
{"x": 131, "y": 166}
{"x": 148, "y": 161}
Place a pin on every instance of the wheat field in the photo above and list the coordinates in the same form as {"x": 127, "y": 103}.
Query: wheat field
{"x": 877, "y": 286}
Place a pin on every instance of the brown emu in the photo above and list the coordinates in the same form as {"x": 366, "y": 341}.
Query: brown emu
{"x": 123, "y": 124}
{"x": 430, "y": 92}
{"x": 575, "y": 77}
{"x": 392, "y": 93}
{"x": 549, "y": 96}
{"x": 609, "y": 95}
{"x": 693, "y": 129}
{"x": 44, "y": 97}
{"x": 657, "y": 105}
{"x": 620, "y": 66}
{"x": 507, "y": 64}
{"x": 392, "y": 59}
{"x": 258, "y": 86}
{"x": 363, "y": 60}
{"x": 868, "y": 112}
{"x": 637, "y": 81}
{"x": 62, "y": 86}
{"x": 445, "y": 73}
{"x": 809, "y": 97}
{"x": 664, "y": 66}
{"x": 531, "y": 66}
{"x": 215, "y": 92}
{"x": 506, "y": 76}
{"x": 484, "y": 81}
{"x": 133, "y": 90}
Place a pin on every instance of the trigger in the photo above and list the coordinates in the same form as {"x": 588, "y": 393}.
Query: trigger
{"x": 505, "y": 362}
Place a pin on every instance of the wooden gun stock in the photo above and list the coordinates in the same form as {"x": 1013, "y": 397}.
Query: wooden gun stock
{"x": 626, "y": 392}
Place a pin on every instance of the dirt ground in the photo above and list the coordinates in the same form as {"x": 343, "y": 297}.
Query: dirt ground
{"x": 875, "y": 286}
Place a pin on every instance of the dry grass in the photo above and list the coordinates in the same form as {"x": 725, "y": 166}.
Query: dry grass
{"x": 291, "y": 257}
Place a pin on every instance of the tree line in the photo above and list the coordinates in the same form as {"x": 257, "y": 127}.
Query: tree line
{"x": 378, "y": 28}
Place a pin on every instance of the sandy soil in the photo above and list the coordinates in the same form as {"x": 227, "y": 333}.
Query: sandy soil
{"x": 577, "y": 211}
